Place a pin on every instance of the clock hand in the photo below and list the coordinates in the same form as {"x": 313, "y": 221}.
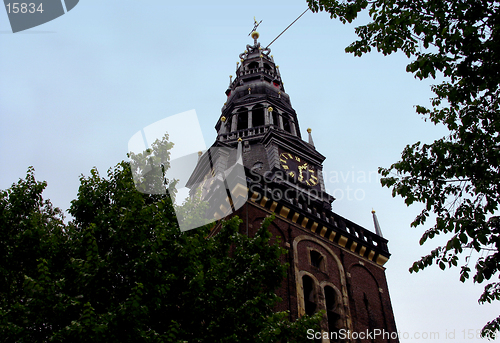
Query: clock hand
{"x": 301, "y": 168}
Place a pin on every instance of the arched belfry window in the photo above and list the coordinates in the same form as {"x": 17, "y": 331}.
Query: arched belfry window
{"x": 332, "y": 312}
{"x": 286, "y": 125}
{"x": 242, "y": 119}
{"x": 253, "y": 65}
{"x": 310, "y": 298}
{"x": 258, "y": 115}
{"x": 275, "y": 118}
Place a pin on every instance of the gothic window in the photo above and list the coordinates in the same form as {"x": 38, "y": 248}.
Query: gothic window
{"x": 309, "y": 295}
{"x": 258, "y": 115}
{"x": 242, "y": 119}
{"x": 334, "y": 322}
{"x": 267, "y": 66}
{"x": 228, "y": 123}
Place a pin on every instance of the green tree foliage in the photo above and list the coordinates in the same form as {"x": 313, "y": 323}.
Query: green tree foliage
{"x": 456, "y": 177}
{"x": 121, "y": 271}
{"x": 33, "y": 248}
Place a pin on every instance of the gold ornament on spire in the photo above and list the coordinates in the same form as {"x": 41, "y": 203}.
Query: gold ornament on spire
{"x": 255, "y": 25}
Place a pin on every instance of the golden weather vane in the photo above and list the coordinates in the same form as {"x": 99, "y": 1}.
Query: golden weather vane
{"x": 255, "y": 25}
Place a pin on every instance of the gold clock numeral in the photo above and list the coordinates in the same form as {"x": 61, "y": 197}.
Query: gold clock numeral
{"x": 298, "y": 169}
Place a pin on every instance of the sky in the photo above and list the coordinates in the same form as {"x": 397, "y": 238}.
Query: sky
{"x": 73, "y": 92}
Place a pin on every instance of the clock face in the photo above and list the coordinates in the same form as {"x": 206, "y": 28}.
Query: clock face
{"x": 298, "y": 169}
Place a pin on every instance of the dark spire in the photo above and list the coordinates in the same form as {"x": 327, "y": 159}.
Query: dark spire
{"x": 378, "y": 231}
{"x": 310, "y": 136}
{"x": 256, "y": 88}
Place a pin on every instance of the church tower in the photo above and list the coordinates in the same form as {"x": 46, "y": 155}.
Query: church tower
{"x": 335, "y": 265}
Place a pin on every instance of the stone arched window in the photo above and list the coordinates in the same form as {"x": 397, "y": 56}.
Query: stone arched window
{"x": 258, "y": 115}
{"x": 242, "y": 119}
{"x": 310, "y": 295}
{"x": 333, "y": 309}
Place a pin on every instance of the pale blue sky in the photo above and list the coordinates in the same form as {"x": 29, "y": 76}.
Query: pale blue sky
{"x": 75, "y": 90}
